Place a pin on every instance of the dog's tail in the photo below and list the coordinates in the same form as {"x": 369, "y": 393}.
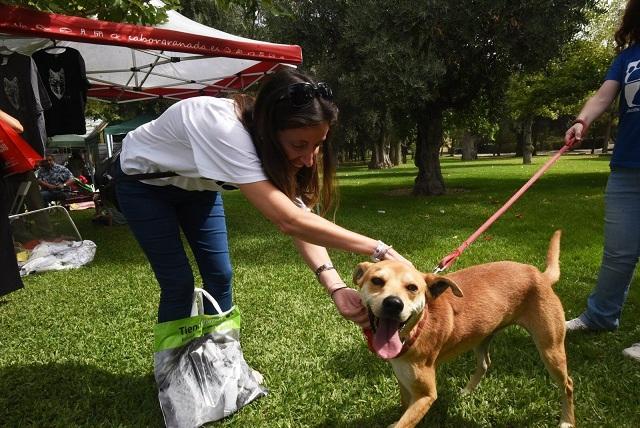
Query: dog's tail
{"x": 553, "y": 258}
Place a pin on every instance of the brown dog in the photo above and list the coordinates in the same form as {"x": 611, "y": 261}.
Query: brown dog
{"x": 420, "y": 320}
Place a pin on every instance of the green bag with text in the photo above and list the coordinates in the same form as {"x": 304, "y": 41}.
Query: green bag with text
{"x": 199, "y": 367}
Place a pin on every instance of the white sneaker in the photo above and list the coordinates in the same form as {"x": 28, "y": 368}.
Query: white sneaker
{"x": 577, "y": 324}
{"x": 633, "y": 351}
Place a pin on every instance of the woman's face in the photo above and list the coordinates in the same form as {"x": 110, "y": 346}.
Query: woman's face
{"x": 300, "y": 145}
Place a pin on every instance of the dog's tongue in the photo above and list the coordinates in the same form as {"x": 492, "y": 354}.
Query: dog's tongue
{"x": 386, "y": 341}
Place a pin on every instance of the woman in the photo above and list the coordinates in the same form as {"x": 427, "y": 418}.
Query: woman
{"x": 622, "y": 195}
{"x": 274, "y": 150}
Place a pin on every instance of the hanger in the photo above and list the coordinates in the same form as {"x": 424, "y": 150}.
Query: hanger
{"x": 54, "y": 46}
{"x": 4, "y": 54}
{"x": 4, "y": 50}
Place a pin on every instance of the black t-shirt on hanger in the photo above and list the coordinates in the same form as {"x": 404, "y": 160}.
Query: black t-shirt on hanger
{"x": 24, "y": 97}
{"x": 65, "y": 78}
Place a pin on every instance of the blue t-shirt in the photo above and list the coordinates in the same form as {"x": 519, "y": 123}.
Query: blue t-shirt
{"x": 625, "y": 70}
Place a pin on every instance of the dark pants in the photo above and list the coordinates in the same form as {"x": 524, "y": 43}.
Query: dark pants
{"x": 9, "y": 276}
{"x": 49, "y": 196}
{"x": 156, "y": 214}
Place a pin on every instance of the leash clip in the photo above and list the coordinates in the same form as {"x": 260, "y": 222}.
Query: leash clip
{"x": 438, "y": 269}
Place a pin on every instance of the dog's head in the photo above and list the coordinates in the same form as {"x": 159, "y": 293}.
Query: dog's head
{"x": 395, "y": 295}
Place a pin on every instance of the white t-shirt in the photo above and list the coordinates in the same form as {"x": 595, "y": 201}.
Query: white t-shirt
{"x": 202, "y": 140}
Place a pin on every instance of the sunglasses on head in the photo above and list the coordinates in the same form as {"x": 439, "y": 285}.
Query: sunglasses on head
{"x": 301, "y": 94}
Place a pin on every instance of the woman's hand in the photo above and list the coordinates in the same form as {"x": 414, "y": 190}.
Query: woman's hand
{"x": 350, "y": 306}
{"x": 573, "y": 136}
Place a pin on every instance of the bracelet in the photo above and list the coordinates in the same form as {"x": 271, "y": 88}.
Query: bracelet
{"x": 322, "y": 268}
{"x": 380, "y": 251}
{"x": 581, "y": 122}
{"x": 336, "y": 289}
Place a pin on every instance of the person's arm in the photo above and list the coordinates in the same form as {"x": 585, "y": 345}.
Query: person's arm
{"x": 69, "y": 182}
{"x": 68, "y": 177}
{"x": 346, "y": 299}
{"x": 306, "y": 226}
{"x": 11, "y": 121}
{"x": 46, "y": 184}
{"x": 592, "y": 109}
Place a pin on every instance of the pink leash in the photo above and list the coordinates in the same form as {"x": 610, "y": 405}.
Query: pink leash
{"x": 448, "y": 260}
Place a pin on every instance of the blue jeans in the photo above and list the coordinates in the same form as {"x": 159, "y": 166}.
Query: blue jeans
{"x": 49, "y": 196}
{"x": 155, "y": 215}
{"x": 621, "y": 249}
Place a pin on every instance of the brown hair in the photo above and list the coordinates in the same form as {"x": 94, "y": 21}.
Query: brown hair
{"x": 272, "y": 112}
{"x": 629, "y": 31}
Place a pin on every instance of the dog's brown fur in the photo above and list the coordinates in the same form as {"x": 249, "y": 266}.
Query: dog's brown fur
{"x": 495, "y": 295}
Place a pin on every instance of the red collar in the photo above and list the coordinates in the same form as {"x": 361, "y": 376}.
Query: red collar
{"x": 407, "y": 343}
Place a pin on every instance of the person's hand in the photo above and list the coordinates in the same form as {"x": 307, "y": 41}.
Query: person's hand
{"x": 392, "y": 254}
{"x": 350, "y": 306}
{"x": 573, "y": 136}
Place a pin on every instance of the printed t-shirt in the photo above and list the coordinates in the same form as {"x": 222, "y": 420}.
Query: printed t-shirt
{"x": 24, "y": 97}
{"x": 56, "y": 175}
{"x": 625, "y": 69}
{"x": 65, "y": 79}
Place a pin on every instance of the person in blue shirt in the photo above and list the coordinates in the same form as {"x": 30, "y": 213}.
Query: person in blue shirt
{"x": 54, "y": 180}
{"x": 622, "y": 194}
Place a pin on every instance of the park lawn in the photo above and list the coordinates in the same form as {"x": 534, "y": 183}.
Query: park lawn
{"x": 76, "y": 346}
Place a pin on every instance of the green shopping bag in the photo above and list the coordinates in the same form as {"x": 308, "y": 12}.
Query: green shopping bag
{"x": 200, "y": 371}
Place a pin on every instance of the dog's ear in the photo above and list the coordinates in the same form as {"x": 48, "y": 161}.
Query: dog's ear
{"x": 358, "y": 273}
{"x": 438, "y": 284}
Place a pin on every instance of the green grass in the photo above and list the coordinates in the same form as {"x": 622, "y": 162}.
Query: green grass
{"x": 76, "y": 346}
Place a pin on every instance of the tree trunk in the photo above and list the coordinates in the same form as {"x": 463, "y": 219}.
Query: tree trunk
{"x": 520, "y": 138}
{"x": 395, "y": 155}
{"x": 429, "y": 180}
{"x": 469, "y": 151}
{"x": 362, "y": 149}
{"x": 527, "y": 146}
{"x": 380, "y": 154}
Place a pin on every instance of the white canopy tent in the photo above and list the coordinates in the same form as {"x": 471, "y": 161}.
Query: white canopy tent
{"x": 174, "y": 60}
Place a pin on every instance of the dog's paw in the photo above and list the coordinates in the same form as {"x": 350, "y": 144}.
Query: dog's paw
{"x": 466, "y": 391}
{"x": 566, "y": 425}
{"x": 393, "y": 425}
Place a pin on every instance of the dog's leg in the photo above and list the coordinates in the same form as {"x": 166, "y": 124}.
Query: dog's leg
{"x": 422, "y": 395}
{"x": 483, "y": 361}
{"x": 555, "y": 361}
{"x": 546, "y": 325}
{"x": 405, "y": 395}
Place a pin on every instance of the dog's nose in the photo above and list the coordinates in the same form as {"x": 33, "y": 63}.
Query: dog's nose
{"x": 392, "y": 305}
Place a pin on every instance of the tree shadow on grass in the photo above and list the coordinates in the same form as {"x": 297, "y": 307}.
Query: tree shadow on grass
{"x": 357, "y": 363}
{"x": 438, "y": 416}
{"x": 75, "y": 394}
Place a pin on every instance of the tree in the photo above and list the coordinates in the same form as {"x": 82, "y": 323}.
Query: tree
{"x": 240, "y": 17}
{"x": 560, "y": 89}
{"x": 444, "y": 56}
{"x": 566, "y": 81}
{"x": 134, "y": 11}
{"x": 423, "y": 58}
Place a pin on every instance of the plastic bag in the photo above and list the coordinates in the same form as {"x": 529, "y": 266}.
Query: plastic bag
{"x": 200, "y": 371}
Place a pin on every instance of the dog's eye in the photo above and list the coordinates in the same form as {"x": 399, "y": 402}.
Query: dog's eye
{"x": 377, "y": 281}
{"x": 412, "y": 287}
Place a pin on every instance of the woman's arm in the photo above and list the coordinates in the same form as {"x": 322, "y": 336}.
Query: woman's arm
{"x": 347, "y": 300}
{"x": 11, "y": 121}
{"x": 592, "y": 109}
{"x": 306, "y": 226}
